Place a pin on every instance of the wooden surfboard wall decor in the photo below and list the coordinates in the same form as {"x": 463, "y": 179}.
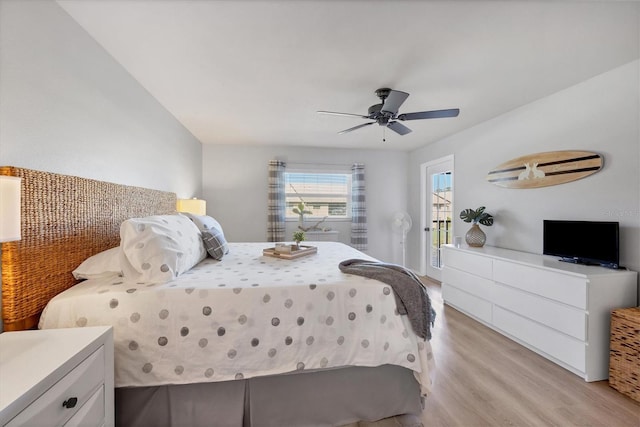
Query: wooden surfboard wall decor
{"x": 545, "y": 169}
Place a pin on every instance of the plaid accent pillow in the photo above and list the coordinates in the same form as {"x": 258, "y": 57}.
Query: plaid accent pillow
{"x": 215, "y": 243}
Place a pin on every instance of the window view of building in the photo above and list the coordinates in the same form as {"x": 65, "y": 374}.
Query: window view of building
{"x": 324, "y": 194}
{"x": 441, "y": 215}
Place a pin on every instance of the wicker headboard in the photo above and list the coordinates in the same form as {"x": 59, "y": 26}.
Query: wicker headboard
{"x": 64, "y": 220}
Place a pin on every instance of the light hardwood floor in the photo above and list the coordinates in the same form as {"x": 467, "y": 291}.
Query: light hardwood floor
{"x": 485, "y": 379}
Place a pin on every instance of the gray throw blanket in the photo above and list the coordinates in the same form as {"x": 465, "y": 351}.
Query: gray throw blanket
{"x": 411, "y": 295}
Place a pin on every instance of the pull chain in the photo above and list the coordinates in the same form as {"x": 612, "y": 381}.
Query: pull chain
{"x": 384, "y": 131}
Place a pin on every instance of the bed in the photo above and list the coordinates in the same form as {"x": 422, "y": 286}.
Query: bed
{"x": 246, "y": 340}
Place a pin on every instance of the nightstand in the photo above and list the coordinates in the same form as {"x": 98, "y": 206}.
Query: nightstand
{"x": 55, "y": 377}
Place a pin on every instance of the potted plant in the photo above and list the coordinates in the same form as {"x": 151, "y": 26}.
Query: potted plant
{"x": 475, "y": 237}
{"x": 301, "y": 210}
{"x": 298, "y": 236}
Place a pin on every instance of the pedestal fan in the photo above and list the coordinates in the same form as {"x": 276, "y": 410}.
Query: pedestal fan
{"x": 401, "y": 224}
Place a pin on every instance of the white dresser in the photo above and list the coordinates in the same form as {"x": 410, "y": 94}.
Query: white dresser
{"x": 557, "y": 309}
{"x": 57, "y": 377}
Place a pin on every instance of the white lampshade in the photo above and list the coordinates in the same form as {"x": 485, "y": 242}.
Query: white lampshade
{"x": 9, "y": 208}
{"x": 194, "y": 206}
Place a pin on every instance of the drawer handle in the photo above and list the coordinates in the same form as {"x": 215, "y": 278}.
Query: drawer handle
{"x": 70, "y": 403}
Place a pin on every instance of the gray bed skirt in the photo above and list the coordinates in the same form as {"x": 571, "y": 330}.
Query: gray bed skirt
{"x": 321, "y": 398}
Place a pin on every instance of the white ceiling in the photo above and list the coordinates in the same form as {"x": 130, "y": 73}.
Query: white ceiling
{"x": 256, "y": 72}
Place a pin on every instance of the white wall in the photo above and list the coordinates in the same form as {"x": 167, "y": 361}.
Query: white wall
{"x": 601, "y": 114}
{"x": 235, "y": 187}
{"x": 66, "y": 106}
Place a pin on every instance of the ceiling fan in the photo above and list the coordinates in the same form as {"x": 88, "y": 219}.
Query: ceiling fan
{"x": 386, "y": 113}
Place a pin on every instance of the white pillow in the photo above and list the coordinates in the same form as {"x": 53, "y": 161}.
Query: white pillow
{"x": 159, "y": 248}
{"x": 212, "y": 235}
{"x": 102, "y": 264}
{"x": 204, "y": 222}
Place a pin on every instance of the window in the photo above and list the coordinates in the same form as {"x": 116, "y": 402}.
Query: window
{"x": 324, "y": 194}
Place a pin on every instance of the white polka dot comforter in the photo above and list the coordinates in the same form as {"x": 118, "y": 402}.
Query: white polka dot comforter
{"x": 244, "y": 316}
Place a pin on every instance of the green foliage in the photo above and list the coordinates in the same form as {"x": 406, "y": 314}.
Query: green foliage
{"x": 298, "y": 236}
{"x": 477, "y": 216}
{"x": 301, "y": 210}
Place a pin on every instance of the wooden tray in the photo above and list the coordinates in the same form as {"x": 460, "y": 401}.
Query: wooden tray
{"x": 303, "y": 251}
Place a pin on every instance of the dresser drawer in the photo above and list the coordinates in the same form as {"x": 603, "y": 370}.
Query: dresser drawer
{"x": 467, "y": 282}
{"x": 80, "y": 383}
{"x": 92, "y": 413}
{"x": 567, "y": 319}
{"x": 560, "y": 346}
{"x": 468, "y": 303}
{"x": 560, "y": 287}
{"x": 474, "y": 264}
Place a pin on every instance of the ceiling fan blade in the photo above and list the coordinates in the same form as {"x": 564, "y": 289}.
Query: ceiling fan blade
{"x": 333, "y": 113}
{"x": 398, "y": 128}
{"x": 394, "y": 101}
{"x": 354, "y": 128}
{"x": 436, "y": 114}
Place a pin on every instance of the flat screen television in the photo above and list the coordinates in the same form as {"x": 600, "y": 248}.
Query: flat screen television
{"x": 583, "y": 242}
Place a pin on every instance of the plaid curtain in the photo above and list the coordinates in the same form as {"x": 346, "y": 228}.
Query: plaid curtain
{"x": 358, "y": 208}
{"x": 276, "y": 202}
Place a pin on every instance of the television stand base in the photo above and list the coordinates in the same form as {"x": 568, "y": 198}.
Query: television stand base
{"x": 587, "y": 262}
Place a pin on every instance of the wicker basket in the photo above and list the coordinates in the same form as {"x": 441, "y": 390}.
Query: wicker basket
{"x": 624, "y": 356}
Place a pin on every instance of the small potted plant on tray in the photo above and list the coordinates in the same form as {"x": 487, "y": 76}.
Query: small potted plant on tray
{"x": 298, "y": 236}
